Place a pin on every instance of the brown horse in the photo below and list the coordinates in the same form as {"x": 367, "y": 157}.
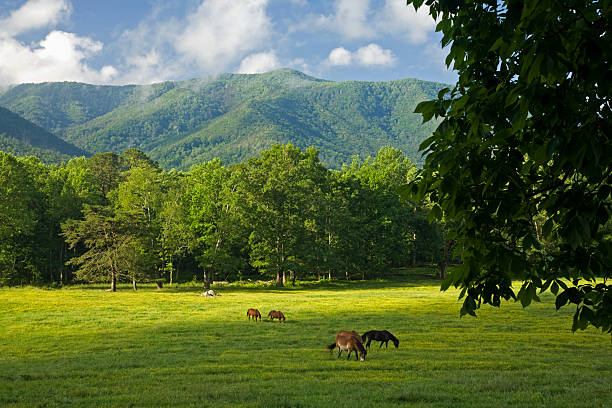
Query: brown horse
{"x": 351, "y": 341}
{"x": 276, "y": 314}
{"x": 254, "y": 313}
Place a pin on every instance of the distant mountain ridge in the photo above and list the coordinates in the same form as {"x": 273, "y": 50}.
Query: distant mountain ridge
{"x": 21, "y": 137}
{"x": 231, "y": 116}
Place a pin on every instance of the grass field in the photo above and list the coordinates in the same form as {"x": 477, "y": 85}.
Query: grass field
{"x": 89, "y": 348}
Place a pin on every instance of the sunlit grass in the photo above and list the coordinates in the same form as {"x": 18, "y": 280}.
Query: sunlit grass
{"x": 172, "y": 347}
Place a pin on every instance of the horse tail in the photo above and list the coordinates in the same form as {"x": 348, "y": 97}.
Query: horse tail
{"x": 331, "y": 346}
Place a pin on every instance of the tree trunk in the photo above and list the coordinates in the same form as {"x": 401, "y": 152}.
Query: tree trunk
{"x": 329, "y": 274}
{"x": 134, "y": 284}
{"x": 284, "y": 278}
{"x": 414, "y": 252}
{"x": 113, "y": 282}
{"x": 279, "y": 279}
{"x": 292, "y": 277}
{"x": 206, "y": 281}
{"x": 444, "y": 263}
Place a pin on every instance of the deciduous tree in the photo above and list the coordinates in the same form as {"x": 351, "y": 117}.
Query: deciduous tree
{"x": 525, "y": 131}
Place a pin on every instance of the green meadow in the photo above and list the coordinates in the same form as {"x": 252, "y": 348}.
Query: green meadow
{"x": 85, "y": 347}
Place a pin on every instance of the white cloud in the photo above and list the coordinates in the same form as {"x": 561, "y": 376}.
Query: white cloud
{"x": 146, "y": 51}
{"x": 340, "y": 56}
{"x": 368, "y": 56}
{"x": 374, "y": 54}
{"x": 398, "y": 19}
{"x": 349, "y": 19}
{"x": 34, "y": 14}
{"x": 259, "y": 63}
{"x": 60, "y": 56}
{"x": 221, "y": 31}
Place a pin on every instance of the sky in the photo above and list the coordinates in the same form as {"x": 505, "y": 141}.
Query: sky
{"x": 146, "y": 41}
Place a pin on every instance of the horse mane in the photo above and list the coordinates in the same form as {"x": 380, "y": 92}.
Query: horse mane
{"x": 361, "y": 347}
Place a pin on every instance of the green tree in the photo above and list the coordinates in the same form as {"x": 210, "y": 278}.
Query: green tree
{"x": 525, "y": 131}
{"x": 276, "y": 188}
{"x": 112, "y": 242}
{"x": 213, "y": 219}
{"x": 105, "y": 169}
{"x": 174, "y": 225}
{"x": 19, "y": 215}
{"x": 140, "y": 194}
{"x": 378, "y": 211}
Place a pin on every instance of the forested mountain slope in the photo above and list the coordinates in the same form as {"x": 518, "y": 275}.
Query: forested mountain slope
{"x": 231, "y": 116}
{"x": 23, "y": 138}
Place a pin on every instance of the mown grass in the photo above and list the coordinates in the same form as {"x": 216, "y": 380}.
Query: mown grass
{"x": 82, "y": 346}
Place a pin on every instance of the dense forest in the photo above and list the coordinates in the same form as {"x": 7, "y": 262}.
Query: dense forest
{"x": 281, "y": 216}
{"x": 231, "y": 116}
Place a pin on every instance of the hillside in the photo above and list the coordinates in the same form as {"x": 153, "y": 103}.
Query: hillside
{"x": 23, "y": 138}
{"x": 231, "y": 116}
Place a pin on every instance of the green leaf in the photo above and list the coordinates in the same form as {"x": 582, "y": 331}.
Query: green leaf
{"x": 547, "y": 228}
{"x": 415, "y": 3}
{"x": 469, "y": 307}
{"x": 554, "y": 289}
{"x": 561, "y": 300}
{"x": 545, "y": 286}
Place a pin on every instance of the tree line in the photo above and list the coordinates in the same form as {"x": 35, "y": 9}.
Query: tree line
{"x": 280, "y": 215}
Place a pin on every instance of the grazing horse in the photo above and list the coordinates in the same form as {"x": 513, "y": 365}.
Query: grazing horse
{"x": 350, "y": 341}
{"x": 276, "y": 314}
{"x": 380, "y": 335}
{"x": 254, "y": 313}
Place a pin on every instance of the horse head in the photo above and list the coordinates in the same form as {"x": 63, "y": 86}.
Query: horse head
{"x": 362, "y": 354}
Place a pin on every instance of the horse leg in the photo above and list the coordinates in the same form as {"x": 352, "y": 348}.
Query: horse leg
{"x": 349, "y": 355}
{"x": 339, "y": 352}
{"x": 387, "y": 344}
{"x": 369, "y": 341}
{"x": 381, "y": 343}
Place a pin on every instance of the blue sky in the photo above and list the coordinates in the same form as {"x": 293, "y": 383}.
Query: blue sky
{"x": 146, "y": 41}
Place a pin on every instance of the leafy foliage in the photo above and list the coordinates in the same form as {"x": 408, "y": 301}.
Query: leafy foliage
{"x": 522, "y": 157}
{"x": 119, "y": 217}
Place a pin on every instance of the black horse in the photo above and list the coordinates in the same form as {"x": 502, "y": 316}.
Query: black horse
{"x": 380, "y": 335}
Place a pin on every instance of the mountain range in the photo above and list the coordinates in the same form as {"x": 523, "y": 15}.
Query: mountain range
{"x": 230, "y": 116}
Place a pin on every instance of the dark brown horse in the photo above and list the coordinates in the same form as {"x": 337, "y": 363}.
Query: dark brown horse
{"x": 276, "y": 314}
{"x": 380, "y": 335}
{"x": 254, "y": 313}
{"x": 349, "y": 340}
